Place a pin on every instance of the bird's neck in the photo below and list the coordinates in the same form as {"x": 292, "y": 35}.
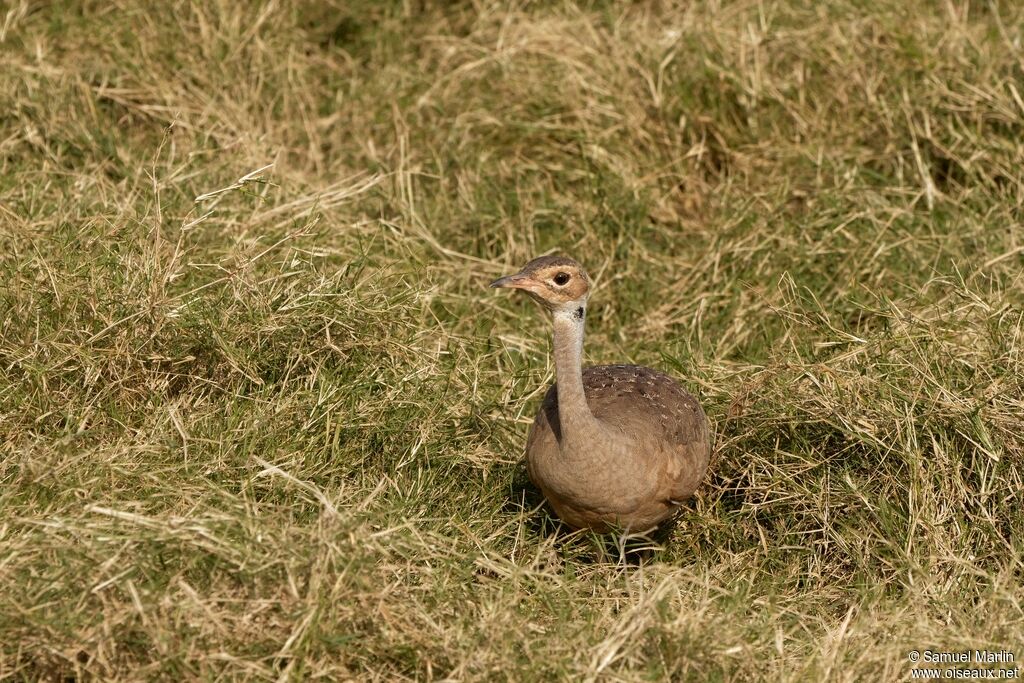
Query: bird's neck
{"x": 574, "y": 414}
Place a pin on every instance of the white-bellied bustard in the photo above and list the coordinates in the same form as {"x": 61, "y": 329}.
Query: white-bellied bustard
{"x": 613, "y": 446}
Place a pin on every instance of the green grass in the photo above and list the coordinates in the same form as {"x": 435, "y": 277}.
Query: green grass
{"x": 276, "y": 432}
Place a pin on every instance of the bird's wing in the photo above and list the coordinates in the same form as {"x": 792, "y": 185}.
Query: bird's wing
{"x": 666, "y": 420}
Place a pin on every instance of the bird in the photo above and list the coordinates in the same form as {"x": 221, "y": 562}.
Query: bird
{"x": 613, "y": 447}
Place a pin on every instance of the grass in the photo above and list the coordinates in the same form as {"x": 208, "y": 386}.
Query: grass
{"x": 262, "y": 420}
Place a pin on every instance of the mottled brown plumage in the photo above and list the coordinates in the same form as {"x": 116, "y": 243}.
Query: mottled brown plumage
{"x": 613, "y": 446}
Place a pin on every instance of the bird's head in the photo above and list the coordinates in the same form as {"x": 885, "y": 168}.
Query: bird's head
{"x": 557, "y": 282}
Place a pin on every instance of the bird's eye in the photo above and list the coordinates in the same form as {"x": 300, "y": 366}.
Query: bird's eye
{"x": 561, "y": 278}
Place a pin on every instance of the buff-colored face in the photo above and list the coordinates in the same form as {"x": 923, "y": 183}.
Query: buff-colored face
{"x": 554, "y": 281}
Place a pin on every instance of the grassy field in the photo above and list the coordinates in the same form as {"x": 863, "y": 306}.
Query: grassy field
{"x": 261, "y": 419}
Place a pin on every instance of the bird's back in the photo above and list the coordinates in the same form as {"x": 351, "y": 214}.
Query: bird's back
{"x": 644, "y": 402}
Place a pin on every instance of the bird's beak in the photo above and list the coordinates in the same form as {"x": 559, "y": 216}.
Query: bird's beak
{"x": 517, "y": 281}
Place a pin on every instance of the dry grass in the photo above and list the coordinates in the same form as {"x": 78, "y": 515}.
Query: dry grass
{"x": 261, "y": 420}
